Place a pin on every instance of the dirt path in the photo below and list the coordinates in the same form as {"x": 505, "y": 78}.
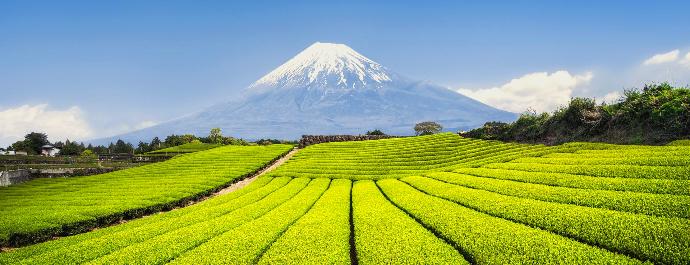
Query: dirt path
{"x": 247, "y": 181}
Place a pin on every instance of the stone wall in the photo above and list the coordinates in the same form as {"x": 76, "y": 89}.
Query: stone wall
{"x": 12, "y": 177}
{"x": 308, "y": 140}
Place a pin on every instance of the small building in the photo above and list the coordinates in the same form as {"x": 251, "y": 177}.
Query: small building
{"x": 21, "y": 153}
{"x": 49, "y": 150}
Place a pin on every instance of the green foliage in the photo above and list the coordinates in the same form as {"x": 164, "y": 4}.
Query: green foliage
{"x": 437, "y": 199}
{"x": 245, "y": 244}
{"x": 32, "y": 143}
{"x": 121, "y": 147}
{"x": 399, "y": 157}
{"x": 234, "y": 141}
{"x": 384, "y": 233}
{"x": 186, "y": 148}
{"x": 656, "y": 114}
{"x": 70, "y": 148}
{"x": 427, "y": 128}
{"x": 175, "y": 140}
{"x": 215, "y": 136}
{"x": 680, "y": 143}
{"x": 659, "y": 186}
{"x": 375, "y": 132}
{"x": 320, "y": 236}
{"x": 609, "y": 171}
{"x": 201, "y": 217}
{"x": 268, "y": 141}
{"x": 143, "y": 148}
{"x": 72, "y": 205}
{"x": 88, "y": 156}
{"x": 491, "y": 240}
{"x": 663, "y": 205}
{"x": 528, "y": 125}
{"x": 659, "y": 239}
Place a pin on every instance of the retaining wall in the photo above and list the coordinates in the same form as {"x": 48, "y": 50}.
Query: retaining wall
{"x": 12, "y": 177}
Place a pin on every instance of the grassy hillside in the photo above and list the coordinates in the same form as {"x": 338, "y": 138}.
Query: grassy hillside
{"x": 41, "y": 208}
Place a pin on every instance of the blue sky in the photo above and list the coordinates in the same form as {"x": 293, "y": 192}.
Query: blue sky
{"x": 120, "y": 65}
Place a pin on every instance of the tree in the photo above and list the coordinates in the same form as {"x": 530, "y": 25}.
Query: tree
{"x": 20, "y": 146}
{"x": 59, "y": 144}
{"x": 215, "y": 136}
{"x": 71, "y": 148}
{"x": 375, "y": 132}
{"x": 88, "y": 156}
{"x": 188, "y": 138}
{"x": 234, "y": 141}
{"x": 32, "y": 143}
{"x": 427, "y": 127}
{"x": 143, "y": 148}
{"x": 122, "y": 148}
{"x": 100, "y": 149}
{"x": 175, "y": 140}
{"x": 155, "y": 143}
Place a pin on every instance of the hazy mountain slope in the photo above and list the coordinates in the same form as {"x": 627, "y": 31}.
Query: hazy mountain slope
{"x": 331, "y": 89}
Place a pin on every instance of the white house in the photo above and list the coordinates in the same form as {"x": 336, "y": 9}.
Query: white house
{"x": 49, "y": 150}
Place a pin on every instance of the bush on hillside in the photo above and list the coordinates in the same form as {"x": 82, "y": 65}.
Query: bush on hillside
{"x": 656, "y": 114}
{"x": 375, "y": 132}
{"x": 427, "y": 128}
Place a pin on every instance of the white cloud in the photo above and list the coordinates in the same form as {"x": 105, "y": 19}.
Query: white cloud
{"x": 686, "y": 60}
{"x": 144, "y": 124}
{"x": 125, "y": 128}
{"x": 539, "y": 91}
{"x": 612, "y": 97}
{"x": 58, "y": 124}
{"x": 668, "y": 57}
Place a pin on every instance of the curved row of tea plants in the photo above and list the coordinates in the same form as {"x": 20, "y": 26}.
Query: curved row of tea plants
{"x": 489, "y": 239}
{"x": 384, "y": 233}
{"x": 642, "y": 236}
{"x": 399, "y": 157}
{"x": 664, "y": 205}
{"x": 41, "y": 208}
{"x": 186, "y": 148}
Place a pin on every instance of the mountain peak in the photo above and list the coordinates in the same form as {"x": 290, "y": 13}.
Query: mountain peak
{"x": 327, "y": 66}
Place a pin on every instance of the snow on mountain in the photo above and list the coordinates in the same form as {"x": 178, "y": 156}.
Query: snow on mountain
{"x": 326, "y": 66}
{"x": 330, "y": 89}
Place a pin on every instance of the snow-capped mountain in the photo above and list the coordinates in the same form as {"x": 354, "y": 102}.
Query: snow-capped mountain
{"x": 330, "y": 89}
{"x": 327, "y": 66}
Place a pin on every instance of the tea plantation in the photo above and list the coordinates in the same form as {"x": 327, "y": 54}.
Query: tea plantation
{"x": 42, "y": 208}
{"x": 439, "y": 199}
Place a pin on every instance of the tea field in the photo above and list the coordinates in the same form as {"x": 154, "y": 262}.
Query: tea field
{"x": 185, "y": 148}
{"x": 438, "y": 199}
{"x": 42, "y": 208}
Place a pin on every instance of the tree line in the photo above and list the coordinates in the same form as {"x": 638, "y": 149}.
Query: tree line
{"x": 34, "y": 141}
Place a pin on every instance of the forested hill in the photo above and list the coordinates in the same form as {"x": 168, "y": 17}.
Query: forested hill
{"x": 656, "y": 114}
